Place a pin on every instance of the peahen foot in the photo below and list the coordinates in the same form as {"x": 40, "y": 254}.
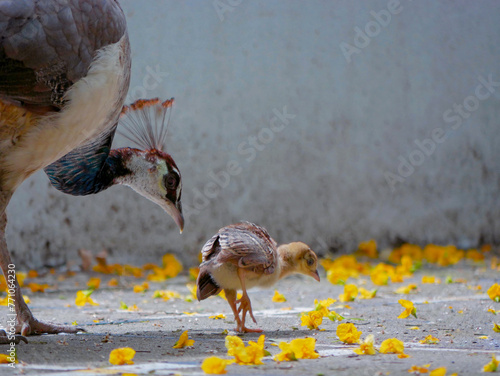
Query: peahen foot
{"x": 6, "y": 339}
{"x": 29, "y": 325}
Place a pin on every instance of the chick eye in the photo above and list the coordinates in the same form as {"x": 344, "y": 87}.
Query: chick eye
{"x": 170, "y": 181}
{"x": 310, "y": 262}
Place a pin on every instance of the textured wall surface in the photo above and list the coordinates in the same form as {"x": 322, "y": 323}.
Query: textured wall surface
{"x": 341, "y": 121}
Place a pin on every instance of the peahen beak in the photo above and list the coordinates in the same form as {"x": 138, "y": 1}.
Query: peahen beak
{"x": 175, "y": 211}
{"x": 180, "y": 218}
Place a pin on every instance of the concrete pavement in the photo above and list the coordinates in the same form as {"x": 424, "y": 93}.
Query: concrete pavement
{"x": 457, "y": 314}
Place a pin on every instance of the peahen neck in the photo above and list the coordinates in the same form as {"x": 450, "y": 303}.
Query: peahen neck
{"x": 90, "y": 169}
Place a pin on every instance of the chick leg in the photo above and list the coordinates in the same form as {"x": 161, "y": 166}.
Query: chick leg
{"x": 231, "y": 299}
{"x": 27, "y": 323}
{"x": 245, "y": 305}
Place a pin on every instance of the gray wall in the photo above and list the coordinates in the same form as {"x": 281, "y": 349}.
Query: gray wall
{"x": 346, "y": 164}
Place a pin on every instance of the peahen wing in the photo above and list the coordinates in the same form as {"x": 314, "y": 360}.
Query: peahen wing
{"x": 46, "y": 46}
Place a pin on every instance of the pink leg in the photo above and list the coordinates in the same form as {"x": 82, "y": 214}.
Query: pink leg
{"x": 245, "y": 305}
{"x": 26, "y": 323}
{"x": 231, "y": 299}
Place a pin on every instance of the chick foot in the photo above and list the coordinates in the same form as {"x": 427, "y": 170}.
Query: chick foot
{"x": 245, "y": 306}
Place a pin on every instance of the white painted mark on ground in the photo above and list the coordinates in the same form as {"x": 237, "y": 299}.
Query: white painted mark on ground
{"x": 159, "y": 368}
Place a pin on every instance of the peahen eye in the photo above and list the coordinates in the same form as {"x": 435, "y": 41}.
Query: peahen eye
{"x": 170, "y": 181}
{"x": 310, "y": 262}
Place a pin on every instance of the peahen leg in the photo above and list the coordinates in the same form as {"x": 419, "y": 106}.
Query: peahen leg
{"x": 6, "y": 338}
{"x": 245, "y": 305}
{"x": 26, "y": 323}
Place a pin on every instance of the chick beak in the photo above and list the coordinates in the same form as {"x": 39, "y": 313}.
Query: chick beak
{"x": 315, "y": 275}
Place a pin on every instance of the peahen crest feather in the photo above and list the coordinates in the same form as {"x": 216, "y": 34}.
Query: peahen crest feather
{"x": 146, "y": 123}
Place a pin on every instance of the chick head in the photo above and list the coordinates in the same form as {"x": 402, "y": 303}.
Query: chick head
{"x": 304, "y": 259}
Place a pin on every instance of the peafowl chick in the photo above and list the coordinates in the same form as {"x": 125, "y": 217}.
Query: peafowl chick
{"x": 242, "y": 256}
{"x": 64, "y": 76}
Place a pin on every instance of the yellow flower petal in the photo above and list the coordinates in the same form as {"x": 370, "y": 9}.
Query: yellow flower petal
{"x": 348, "y": 333}
{"x": 133, "y": 308}
{"x": 367, "y": 346}
{"x": 21, "y": 276}
{"x": 286, "y": 354}
{"x": 491, "y": 366}
{"x": 193, "y": 273}
{"x": 217, "y": 317}
{"x": 278, "y": 298}
{"x": 406, "y": 289}
{"x": 419, "y": 369}
{"x": 166, "y": 295}
{"x": 32, "y": 274}
{"x": 171, "y": 265}
{"x": 183, "y": 341}
{"x": 192, "y": 289}
{"x": 222, "y": 294}
{"x": 141, "y": 288}
{"x": 171, "y": 268}
{"x": 323, "y": 306}
{"x": 312, "y": 319}
{"x": 233, "y": 342}
{"x": 494, "y": 292}
{"x": 430, "y": 279}
{"x": 368, "y": 248}
{"x": 409, "y": 309}
{"x": 430, "y": 340}
{"x": 350, "y": 293}
{"x": 438, "y": 372}
{"x": 83, "y": 298}
{"x": 37, "y": 287}
{"x": 7, "y": 359}
{"x": 123, "y": 355}
{"x": 215, "y": 366}
{"x": 366, "y": 294}
{"x": 443, "y": 255}
{"x": 392, "y": 346}
{"x": 299, "y": 348}
{"x": 246, "y": 355}
{"x": 380, "y": 274}
{"x": 94, "y": 283}
{"x": 334, "y": 316}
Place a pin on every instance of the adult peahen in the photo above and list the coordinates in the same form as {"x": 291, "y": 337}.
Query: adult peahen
{"x": 64, "y": 74}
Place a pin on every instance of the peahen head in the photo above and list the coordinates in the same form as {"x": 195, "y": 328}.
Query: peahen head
{"x": 152, "y": 172}
{"x": 154, "y": 175}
